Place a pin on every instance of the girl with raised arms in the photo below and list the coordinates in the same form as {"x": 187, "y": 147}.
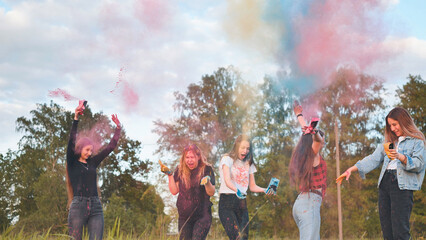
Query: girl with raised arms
{"x": 85, "y": 208}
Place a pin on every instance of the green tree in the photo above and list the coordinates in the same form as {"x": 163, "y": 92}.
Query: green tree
{"x": 40, "y": 154}
{"x": 412, "y": 96}
{"x": 6, "y": 183}
{"x": 211, "y": 114}
{"x": 353, "y": 102}
{"x": 39, "y": 191}
{"x": 274, "y": 142}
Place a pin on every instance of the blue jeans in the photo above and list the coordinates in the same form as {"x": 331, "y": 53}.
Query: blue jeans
{"x": 86, "y": 211}
{"x": 306, "y": 214}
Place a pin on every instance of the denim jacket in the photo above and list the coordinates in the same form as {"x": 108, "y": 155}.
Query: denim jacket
{"x": 410, "y": 176}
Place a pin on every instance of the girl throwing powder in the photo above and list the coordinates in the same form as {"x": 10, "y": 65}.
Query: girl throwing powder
{"x": 86, "y": 208}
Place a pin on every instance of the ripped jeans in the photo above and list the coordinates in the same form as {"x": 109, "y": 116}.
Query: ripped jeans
{"x": 306, "y": 214}
{"x": 86, "y": 211}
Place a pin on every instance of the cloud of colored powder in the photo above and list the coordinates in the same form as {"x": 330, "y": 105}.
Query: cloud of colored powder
{"x": 317, "y": 37}
{"x": 97, "y": 133}
{"x": 125, "y": 92}
{"x": 245, "y": 24}
{"x": 154, "y": 14}
{"x": 62, "y": 93}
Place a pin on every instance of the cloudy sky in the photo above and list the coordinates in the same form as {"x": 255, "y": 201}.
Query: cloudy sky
{"x": 129, "y": 56}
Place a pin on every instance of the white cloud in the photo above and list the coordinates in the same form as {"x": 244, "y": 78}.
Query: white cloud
{"x": 409, "y": 58}
{"x": 80, "y": 46}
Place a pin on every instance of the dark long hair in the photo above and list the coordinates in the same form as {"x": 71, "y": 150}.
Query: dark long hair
{"x": 405, "y": 122}
{"x": 301, "y": 163}
{"x": 234, "y": 151}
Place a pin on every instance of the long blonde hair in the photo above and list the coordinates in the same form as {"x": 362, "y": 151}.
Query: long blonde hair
{"x": 405, "y": 122}
{"x": 184, "y": 172}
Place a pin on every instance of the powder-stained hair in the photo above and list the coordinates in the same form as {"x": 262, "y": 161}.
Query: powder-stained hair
{"x": 81, "y": 143}
{"x": 184, "y": 172}
{"x": 406, "y": 124}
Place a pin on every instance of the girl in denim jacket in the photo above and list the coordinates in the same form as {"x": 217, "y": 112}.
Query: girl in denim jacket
{"x": 402, "y": 172}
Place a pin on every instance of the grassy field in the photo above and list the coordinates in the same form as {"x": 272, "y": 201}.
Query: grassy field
{"x": 115, "y": 234}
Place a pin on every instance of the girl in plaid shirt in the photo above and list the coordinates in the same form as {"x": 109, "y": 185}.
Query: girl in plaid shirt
{"x": 308, "y": 171}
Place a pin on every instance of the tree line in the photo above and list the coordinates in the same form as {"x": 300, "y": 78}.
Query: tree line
{"x": 222, "y": 105}
{"x": 212, "y": 113}
{"x": 33, "y": 189}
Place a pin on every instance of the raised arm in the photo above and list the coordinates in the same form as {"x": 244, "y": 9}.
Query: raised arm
{"x": 317, "y": 143}
{"x": 111, "y": 145}
{"x": 73, "y": 133}
{"x": 298, "y": 112}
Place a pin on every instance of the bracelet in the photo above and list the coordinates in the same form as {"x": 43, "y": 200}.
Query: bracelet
{"x": 299, "y": 115}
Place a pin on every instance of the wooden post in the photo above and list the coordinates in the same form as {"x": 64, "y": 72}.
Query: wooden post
{"x": 339, "y": 199}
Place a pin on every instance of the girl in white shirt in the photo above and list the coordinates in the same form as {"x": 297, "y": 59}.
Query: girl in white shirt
{"x": 236, "y": 170}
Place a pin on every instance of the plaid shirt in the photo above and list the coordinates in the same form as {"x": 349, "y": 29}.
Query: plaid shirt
{"x": 319, "y": 178}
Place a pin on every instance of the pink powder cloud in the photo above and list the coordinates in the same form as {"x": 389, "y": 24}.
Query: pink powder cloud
{"x": 62, "y": 93}
{"x": 126, "y": 92}
{"x": 154, "y": 14}
{"x": 97, "y": 133}
{"x": 339, "y": 32}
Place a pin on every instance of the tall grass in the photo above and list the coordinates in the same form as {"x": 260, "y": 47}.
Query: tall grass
{"x": 114, "y": 233}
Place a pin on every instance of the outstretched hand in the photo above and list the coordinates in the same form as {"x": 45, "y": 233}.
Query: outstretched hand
{"x": 115, "y": 120}
{"x": 346, "y": 175}
{"x": 164, "y": 168}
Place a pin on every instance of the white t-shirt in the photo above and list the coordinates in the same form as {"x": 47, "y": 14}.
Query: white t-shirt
{"x": 393, "y": 163}
{"x": 240, "y": 174}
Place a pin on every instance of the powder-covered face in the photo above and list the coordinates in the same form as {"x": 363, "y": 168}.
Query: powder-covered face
{"x": 244, "y": 149}
{"x": 191, "y": 160}
{"x": 395, "y": 127}
{"x": 86, "y": 152}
